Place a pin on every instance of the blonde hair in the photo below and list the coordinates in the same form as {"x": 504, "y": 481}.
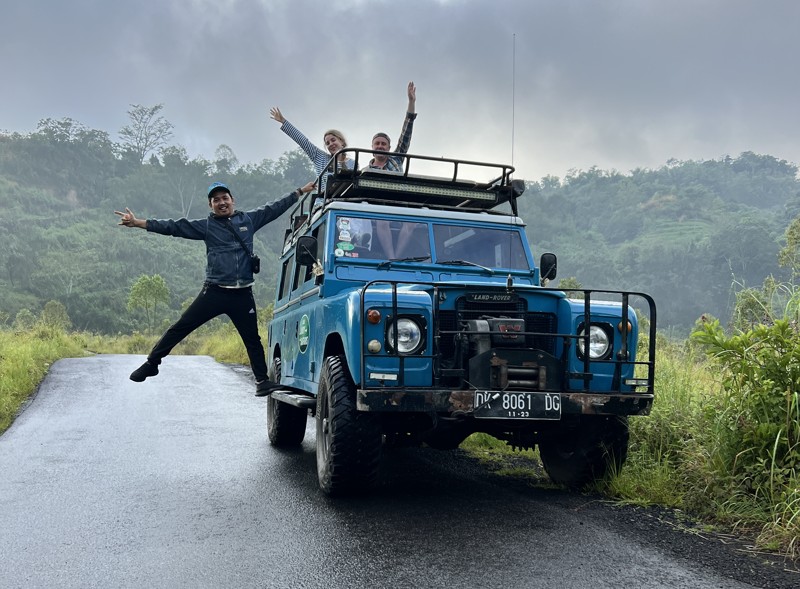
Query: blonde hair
{"x": 337, "y": 134}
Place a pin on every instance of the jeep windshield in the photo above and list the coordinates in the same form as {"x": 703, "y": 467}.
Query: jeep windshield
{"x": 483, "y": 247}
{"x": 410, "y": 241}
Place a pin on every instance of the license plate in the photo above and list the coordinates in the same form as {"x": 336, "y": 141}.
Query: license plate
{"x": 500, "y": 405}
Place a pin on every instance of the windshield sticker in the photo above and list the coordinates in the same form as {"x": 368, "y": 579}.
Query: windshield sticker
{"x": 343, "y": 226}
{"x": 352, "y": 234}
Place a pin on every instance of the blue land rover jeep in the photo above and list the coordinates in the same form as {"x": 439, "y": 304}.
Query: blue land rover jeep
{"x": 409, "y": 309}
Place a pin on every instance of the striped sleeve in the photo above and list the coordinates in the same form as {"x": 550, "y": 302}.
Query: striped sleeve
{"x": 318, "y": 156}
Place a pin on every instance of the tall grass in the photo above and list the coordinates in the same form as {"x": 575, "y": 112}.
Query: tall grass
{"x": 664, "y": 450}
{"x": 25, "y": 357}
{"x": 225, "y": 345}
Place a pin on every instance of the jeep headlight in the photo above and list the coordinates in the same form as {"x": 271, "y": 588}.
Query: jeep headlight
{"x": 599, "y": 343}
{"x": 409, "y": 336}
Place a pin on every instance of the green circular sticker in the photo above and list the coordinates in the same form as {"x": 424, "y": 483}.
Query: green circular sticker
{"x": 302, "y": 334}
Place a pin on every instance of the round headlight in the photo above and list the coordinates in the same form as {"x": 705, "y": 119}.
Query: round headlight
{"x": 409, "y": 335}
{"x": 598, "y": 342}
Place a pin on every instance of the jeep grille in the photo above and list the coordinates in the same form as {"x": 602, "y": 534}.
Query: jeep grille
{"x": 540, "y": 323}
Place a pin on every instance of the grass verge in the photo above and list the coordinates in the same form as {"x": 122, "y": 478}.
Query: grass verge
{"x": 25, "y": 358}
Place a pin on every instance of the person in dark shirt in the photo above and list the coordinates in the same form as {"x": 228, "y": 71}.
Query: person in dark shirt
{"x": 229, "y": 274}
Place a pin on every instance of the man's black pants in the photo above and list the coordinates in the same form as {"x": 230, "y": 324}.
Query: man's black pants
{"x": 236, "y": 303}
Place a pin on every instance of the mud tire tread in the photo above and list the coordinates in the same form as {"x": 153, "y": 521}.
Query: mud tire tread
{"x": 349, "y": 452}
{"x": 598, "y": 449}
{"x": 286, "y": 424}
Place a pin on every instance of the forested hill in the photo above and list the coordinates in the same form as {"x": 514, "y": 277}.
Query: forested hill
{"x": 59, "y": 188}
{"x": 683, "y": 233}
{"x": 689, "y": 233}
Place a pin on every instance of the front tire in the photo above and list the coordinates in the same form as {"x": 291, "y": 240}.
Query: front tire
{"x": 348, "y": 442}
{"x": 598, "y": 449}
{"x": 286, "y": 424}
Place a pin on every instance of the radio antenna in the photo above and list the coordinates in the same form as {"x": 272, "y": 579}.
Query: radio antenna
{"x": 513, "y": 90}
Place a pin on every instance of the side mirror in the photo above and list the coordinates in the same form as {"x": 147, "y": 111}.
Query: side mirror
{"x": 306, "y": 250}
{"x": 548, "y": 266}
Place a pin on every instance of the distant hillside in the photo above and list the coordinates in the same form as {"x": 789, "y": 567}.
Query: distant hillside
{"x": 685, "y": 233}
{"x": 58, "y": 193}
{"x": 689, "y": 233}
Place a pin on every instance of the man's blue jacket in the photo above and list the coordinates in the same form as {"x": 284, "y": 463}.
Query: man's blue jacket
{"x": 228, "y": 263}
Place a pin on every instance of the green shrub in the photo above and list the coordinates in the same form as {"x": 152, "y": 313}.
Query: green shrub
{"x": 24, "y": 320}
{"x": 756, "y": 426}
{"x": 55, "y": 314}
{"x": 761, "y": 379}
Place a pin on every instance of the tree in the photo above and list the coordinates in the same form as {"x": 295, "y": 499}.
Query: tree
{"x": 147, "y": 132}
{"x": 17, "y": 268}
{"x": 571, "y": 283}
{"x": 145, "y": 294}
{"x": 186, "y": 178}
{"x": 55, "y": 315}
{"x": 225, "y": 161}
{"x": 296, "y": 168}
{"x": 65, "y": 130}
{"x": 24, "y": 320}
{"x": 64, "y": 154}
{"x": 789, "y": 256}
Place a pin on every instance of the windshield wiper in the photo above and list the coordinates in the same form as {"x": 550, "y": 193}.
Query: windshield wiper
{"x": 466, "y": 263}
{"x": 388, "y": 263}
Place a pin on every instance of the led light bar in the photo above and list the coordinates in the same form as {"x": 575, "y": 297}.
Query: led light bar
{"x": 418, "y": 189}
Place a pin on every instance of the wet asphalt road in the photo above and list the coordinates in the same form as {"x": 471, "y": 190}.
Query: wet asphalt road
{"x": 172, "y": 483}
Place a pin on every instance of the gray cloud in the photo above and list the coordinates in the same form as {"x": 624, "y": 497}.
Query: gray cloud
{"x": 617, "y": 84}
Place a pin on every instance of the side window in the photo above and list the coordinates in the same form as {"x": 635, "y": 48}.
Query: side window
{"x": 303, "y": 274}
{"x": 286, "y": 277}
{"x": 320, "y": 234}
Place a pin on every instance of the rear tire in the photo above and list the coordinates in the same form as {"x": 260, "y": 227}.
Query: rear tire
{"x": 348, "y": 442}
{"x": 286, "y": 424}
{"x": 597, "y": 450}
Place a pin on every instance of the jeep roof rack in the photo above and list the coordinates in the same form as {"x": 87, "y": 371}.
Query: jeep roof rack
{"x": 450, "y": 192}
{"x": 376, "y": 186}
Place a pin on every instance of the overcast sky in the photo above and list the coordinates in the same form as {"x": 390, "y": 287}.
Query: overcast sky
{"x": 570, "y": 84}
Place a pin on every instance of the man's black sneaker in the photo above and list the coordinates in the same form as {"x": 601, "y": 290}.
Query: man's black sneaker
{"x": 266, "y": 388}
{"x": 145, "y": 370}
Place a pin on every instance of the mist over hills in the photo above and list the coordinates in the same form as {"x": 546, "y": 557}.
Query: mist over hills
{"x": 689, "y": 233}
